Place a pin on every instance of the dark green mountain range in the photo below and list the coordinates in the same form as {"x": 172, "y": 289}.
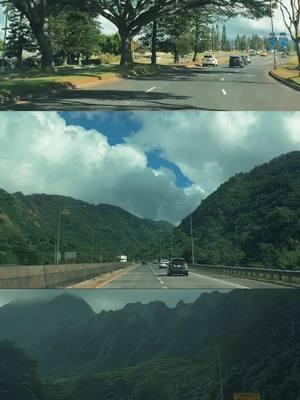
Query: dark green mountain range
{"x": 28, "y": 230}
{"x": 253, "y": 218}
{"x": 144, "y": 351}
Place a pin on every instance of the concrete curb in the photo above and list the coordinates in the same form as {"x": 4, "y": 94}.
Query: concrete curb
{"x": 292, "y": 85}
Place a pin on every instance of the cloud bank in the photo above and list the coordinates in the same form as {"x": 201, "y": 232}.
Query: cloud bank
{"x": 40, "y": 153}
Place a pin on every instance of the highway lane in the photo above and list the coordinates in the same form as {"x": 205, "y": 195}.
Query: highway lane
{"x": 151, "y": 277}
{"x": 196, "y": 88}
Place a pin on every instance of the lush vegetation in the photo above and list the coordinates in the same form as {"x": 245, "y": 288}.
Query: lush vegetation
{"x": 70, "y": 28}
{"x": 253, "y": 218}
{"x": 28, "y": 230}
{"x": 154, "y": 352}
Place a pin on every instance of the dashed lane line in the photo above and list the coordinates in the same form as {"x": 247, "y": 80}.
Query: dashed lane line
{"x": 161, "y": 282}
{"x": 224, "y": 92}
{"x": 150, "y": 90}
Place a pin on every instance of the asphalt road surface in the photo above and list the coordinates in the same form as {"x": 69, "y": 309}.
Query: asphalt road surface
{"x": 151, "y": 277}
{"x": 197, "y": 88}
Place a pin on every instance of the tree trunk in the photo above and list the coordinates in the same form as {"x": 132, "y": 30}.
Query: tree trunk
{"x": 20, "y": 45}
{"x": 176, "y": 56}
{"x": 126, "y": 49}
{"x": 297, "y": 44}
{"x": 196, "y": 40}
{"x": 47, "y": 59}
{"x": 20, "y": 53}
{"x": 153, "y": 43}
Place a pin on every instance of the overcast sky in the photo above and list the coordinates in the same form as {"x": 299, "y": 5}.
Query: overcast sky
{"x": 139, "y": 161}
{"x": 106, "y": 299}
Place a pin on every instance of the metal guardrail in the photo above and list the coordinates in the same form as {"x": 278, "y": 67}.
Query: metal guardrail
{"x": 290, "y": 276}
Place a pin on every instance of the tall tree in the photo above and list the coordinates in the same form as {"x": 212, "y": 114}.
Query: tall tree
{"x": 130, "y": 16}
{"x": 19, "y": 36}
{"x": 201, "y": 18}
{"x": 291, "y": 16}
{"x": 37, "y": 13}
{"x": 73, "y": 34}
{"x": 224, "y": 39}
{"x": 218, "y": 43}
{"x": 18, "y": 374}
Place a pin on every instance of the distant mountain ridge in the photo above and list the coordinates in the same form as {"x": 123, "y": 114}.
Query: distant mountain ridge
{"x": 69, "y": 339}
{"x": 28, "y": 229}
{"x": 253, "y": 218}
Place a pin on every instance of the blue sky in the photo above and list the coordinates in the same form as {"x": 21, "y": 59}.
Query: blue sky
{"x": 117, "y": 129}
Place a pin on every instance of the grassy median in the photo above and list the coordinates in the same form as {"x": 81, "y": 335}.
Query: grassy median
{"x": 289, "y": 70}
{"x": 35, "y": 83}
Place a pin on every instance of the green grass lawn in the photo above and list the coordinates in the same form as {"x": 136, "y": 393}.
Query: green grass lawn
{"x": 37, "y": 83}
{"x": 289, "y": 70}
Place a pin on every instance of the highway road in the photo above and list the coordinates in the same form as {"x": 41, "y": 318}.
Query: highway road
{"x": 181, "y": 88}
{"x": 149, "y": 276}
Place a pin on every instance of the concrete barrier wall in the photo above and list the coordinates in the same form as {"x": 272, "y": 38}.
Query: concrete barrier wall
{"x": 52, "y": 276}
{"x": 288, "y": 276}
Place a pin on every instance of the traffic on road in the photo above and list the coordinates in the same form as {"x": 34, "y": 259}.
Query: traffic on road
{"x": 234, "y": 85}
{"x": 161, "y": 274}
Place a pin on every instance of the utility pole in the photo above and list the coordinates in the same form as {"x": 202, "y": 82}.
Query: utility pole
{"x": 93, "y": 234}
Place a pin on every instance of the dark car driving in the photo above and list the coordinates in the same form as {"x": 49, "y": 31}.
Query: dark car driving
{"x": 236, "y": 61}
{"x": 177, "y": 266}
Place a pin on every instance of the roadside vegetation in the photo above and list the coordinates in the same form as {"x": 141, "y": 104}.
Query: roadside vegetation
{"x": 65, "y": 40}
{"x": 289, "y": 70}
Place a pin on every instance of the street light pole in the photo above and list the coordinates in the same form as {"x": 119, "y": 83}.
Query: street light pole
{"x": 93, "y": 235}
{"x": 100, "y": 249}
{"x": 58, "y": 235}
{"x": 191, "y": 228}
{"x": 58, "y": 227}
{"x": 192, "y": 237}
{"x": 272, "y": 26}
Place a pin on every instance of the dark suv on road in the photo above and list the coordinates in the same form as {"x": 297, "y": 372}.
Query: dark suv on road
{"x": 236, "y": 61}
{"x": 177, "y": 266}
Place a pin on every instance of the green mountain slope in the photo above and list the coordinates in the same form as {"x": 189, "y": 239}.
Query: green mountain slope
{"x": 28, "y": 230}
{"x": 253, "y": 218}
{"x": 144, "y": 351}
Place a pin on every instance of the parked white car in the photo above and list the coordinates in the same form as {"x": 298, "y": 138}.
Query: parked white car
{"x": 209, "y": 60}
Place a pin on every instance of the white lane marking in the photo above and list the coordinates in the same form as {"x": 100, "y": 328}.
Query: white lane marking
{"x": 224, "y": 92}
{"x": 159, "y": 279}
{"x": 220, "y": 280}
{"x": 150, "y": 90}
{"x": 222, "y": 79}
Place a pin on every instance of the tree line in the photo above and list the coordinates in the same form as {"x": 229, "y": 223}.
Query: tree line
{"x": 129, "y": 17}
